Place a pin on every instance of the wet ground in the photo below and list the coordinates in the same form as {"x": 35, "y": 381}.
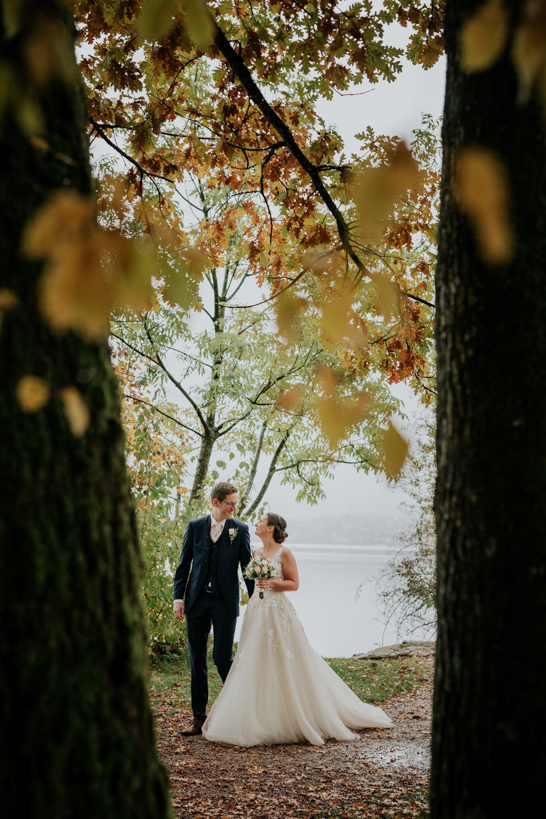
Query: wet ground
{"x": 379, "y": 771}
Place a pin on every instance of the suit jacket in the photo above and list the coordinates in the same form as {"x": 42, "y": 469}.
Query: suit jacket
{"x": 192, "y": 572}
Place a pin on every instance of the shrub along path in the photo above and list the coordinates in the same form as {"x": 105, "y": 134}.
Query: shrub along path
{"x": 382, "y": 773}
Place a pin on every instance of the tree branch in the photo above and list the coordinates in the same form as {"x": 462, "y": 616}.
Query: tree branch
{"x": 240, "y": 70}
{"x": 271, "y": 471}
{"x": 165, "y": 414}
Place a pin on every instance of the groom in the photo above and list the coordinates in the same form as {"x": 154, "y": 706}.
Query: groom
{"x": 213, "y": 548}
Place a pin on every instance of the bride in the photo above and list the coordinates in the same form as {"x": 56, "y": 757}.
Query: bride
{"x": 279, "y": 690}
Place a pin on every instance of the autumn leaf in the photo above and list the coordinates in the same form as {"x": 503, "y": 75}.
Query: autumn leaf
{"x": 199, "y": 23}
{"x": 8, "y": 300}
{"x": 32, "y": 393}
{"x": 289, "y": 398}
{"x": 89, "y": 270}
{"x": 157, "y": 18}
{"x": 395, "y": 450}
{"x": 376, "y": 191}
{"x": 327, "y": 379}
{"x": 337, "y": 416}
{"x": 76, "y": 411}
{"x": 482, "y": 193}
{"x": 529, "y": 51}
{"x": 48, "y": 52}
{"x": 183, "y": 277}
{"x": 336, "y": 313}
{"x": 288, "y": 308}
{"x": 483, "y": 36}
{"x": 388, "y": 296}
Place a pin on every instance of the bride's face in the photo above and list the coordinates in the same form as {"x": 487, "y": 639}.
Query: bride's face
{"x": 262, "y": 527}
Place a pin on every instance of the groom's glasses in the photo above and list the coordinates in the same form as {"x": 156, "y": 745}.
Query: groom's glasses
{"x": 230, "y": 505}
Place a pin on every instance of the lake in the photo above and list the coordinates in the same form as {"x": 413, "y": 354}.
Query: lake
{"x": 340, "y": 620}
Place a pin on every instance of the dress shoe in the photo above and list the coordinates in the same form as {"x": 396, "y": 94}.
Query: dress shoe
{"x": 193, "y": 730}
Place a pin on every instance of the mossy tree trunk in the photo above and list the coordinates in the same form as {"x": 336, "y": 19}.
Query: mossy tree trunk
{"x": 76, "y": 730}
{"x": 488, "y": 747}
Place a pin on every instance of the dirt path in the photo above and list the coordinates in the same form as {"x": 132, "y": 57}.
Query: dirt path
{"x": 381, "y": 773}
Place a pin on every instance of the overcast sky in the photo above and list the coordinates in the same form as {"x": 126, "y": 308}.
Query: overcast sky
{"x": 390, "y": 108}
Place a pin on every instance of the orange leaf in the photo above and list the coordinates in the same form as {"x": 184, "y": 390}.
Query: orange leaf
{"x": 289, "y": 398}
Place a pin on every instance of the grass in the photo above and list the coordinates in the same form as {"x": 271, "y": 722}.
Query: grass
{"x": 374, "y": 681}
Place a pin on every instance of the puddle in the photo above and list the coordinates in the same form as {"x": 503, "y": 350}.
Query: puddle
{"x": 410, "y": 755}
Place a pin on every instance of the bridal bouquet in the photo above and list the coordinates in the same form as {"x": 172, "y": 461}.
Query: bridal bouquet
{"x": 259, "y": 568}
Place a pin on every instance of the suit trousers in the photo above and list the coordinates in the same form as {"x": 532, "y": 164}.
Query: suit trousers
{"x": 208, "y": 610}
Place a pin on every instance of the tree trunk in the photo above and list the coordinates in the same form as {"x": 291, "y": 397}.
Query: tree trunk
{"x": 488, "y": 750}
{"x": 269, "y": 477}
{"x": 76, "y": 733}
{"x": 208, "y": 441}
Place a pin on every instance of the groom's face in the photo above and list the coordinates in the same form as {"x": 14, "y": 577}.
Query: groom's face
{"x": 226, "y": 507}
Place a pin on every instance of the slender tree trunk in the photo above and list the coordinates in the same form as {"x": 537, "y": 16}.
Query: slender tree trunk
{"x": 269, "y": 477}
{"x": 76, "y": 732}
{"x": 489, "y": 754}
{"x": 201, "y": 470}
{"x": 254, "y": 467}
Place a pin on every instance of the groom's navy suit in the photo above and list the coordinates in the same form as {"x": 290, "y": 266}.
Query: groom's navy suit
{"x": 208, "y": 582}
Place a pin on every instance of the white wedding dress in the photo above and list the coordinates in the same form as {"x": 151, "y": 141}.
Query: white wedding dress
{"x": 279, "y": 690}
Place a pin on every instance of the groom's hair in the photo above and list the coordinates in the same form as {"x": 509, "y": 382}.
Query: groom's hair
{"x": 221, "y": 490}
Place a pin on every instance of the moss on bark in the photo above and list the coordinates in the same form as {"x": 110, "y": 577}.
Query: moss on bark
{"x": 76, "y": 730}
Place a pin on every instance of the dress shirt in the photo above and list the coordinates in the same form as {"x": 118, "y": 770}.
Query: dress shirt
{"x": 216, "y": 528}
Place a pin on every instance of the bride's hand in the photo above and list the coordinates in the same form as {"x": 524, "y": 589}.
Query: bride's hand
{"x": 262, "y": 584}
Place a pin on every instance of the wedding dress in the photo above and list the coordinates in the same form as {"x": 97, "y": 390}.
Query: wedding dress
{"x": 279, "y": 689}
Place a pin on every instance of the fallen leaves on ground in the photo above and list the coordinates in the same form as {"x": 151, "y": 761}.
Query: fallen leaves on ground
{"x": 382, "y": 773}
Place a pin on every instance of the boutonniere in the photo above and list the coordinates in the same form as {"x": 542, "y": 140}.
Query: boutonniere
{"x": 232, "y": 534}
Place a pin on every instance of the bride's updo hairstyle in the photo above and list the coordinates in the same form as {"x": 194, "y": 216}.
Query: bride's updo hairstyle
{"x": 279, "y": 533}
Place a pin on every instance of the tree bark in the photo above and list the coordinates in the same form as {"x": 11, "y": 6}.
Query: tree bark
{"x": 488, "y": 750}
{"x": 76, "y": 732}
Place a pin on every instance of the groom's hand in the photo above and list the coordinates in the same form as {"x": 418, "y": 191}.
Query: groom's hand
{"x": 178, "y": 609}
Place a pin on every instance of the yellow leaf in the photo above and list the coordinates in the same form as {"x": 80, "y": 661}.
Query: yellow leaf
{"x": 32, "y": 393}
{"x": 182, "y": 281}
{"x": 48, "y": 52}
{"x": 66, "y": 217}
{"x": 39, "y": 143}
{"x": 529, "y": 50}
{"x": 199, "y": 23}
{"x": 483, "y": 36}
{"x": 8, "y": 300}
{"x": 288, "y": 308}
{"x": 376, "y": 191}
{"x": 336, "y": 315}
{"x": 389, "y": 296}
{"x": 76, "y": 411}
{"x": 482, "y": 193}
{"x": 327, "y": 379}
{"x": 13, "y": 12}
{"x": 157, "y": 18}
{"x": 337, "y": 417}
{"x": 395, "y": 450}
{"x": 89, "y": 270}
